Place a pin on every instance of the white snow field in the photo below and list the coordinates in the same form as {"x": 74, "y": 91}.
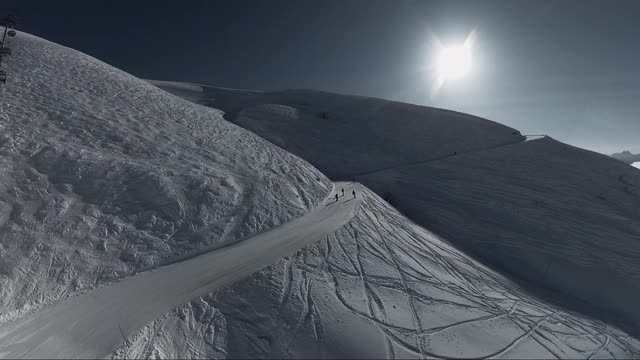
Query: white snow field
{"x": 119, "y": 202}
{"x": 103, "y": 175}
{"x": 553, "y": 216}
{"x": 97, "y": 322}
{"x": 636, "y": 164}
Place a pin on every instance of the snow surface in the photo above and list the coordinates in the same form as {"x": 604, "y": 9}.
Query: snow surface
{"x": 636, "y": 164}
{"x": 556, "y": 217}
{"x": 103, "y": 175}
{"x": 379, "y": 287}
{"x": 345, "y": 136}
{"x": 98, "y": 321}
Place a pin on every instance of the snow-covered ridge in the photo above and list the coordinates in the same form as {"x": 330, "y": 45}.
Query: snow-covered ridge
{"x": 345, "y": 136}
{"x": 102, "y": 174}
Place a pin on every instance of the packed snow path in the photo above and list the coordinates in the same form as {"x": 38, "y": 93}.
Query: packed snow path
{"x": 94, "y": 324}
{"x": 429, "y": 160}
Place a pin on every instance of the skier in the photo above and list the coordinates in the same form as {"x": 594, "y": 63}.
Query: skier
{"x": 354, "y": 194}
{"x": 336, "y": 197}
{"x": 343, "y": 192}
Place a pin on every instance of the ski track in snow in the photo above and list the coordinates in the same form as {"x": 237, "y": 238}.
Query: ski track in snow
{"x": 351, "y": 295}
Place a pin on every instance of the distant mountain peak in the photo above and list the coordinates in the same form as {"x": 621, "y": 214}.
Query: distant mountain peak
{"x": 626, "y": 156}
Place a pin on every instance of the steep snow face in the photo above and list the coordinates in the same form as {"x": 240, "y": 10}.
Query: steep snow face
{"x": 636, "y": 164}
{"x": 555, "y": 216}
{"x": 380, "y": 287}
{"x": 559, "y": 217}
{"x": 102, "y": 174}
{"x": 345, "y": 136}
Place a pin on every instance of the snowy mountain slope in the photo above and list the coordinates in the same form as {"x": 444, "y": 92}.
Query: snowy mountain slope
{"x": 380, "y": 287}
{"x": 102, "y": 174}
{"x": 521, "y": 207}
{"x": 98, "y": 320}
{"x": 344, "y": 136}
{"x": 556, "y": 216}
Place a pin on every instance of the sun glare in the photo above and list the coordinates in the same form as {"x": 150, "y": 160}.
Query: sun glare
{"x": 453, "y": 62}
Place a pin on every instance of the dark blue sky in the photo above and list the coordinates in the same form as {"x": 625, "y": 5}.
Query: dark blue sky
{"x": 563, "y": 67}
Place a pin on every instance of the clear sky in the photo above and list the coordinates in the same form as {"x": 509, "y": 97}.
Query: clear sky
{"x": 566, "y": 68}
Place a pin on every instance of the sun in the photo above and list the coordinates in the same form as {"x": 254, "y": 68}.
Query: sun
{"x": 454, "y": 62}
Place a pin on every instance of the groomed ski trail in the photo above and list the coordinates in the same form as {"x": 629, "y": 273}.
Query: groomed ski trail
{"x": 95, "y": 323}
{"x": 421, "y": 162}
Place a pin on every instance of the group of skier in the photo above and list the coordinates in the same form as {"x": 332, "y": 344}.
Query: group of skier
{"x": 353, "y": 192}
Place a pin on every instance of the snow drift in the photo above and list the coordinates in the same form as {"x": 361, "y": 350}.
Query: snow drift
{"x": 554, "y": 216}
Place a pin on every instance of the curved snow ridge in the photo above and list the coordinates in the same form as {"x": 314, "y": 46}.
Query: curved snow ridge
{"x": 95, "y": 323}
{"x": 346, "y": 135}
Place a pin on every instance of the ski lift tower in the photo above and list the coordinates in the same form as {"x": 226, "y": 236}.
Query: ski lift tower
{"x": 9, "y": 23}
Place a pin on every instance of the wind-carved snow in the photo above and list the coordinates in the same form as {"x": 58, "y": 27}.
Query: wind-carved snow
{"x": 380, "y": 286}
{"x": 103, "y": 175}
